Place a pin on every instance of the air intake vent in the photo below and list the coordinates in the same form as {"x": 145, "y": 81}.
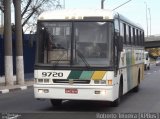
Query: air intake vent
{"x": 73, "y": 81}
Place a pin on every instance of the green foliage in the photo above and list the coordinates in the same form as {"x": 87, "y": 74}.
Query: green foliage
{"x": 154, "y": 52}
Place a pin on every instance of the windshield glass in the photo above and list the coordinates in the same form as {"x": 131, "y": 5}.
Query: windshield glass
{"x": 75, "y": 44}
{"x": 54, "y": 42}
{"x": 93, "y": 42}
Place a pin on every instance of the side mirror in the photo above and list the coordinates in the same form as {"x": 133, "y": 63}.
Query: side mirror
{"x": 119, "y": 42}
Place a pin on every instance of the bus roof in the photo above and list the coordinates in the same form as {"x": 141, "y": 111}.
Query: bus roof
{"x": 80, "y": 14}
{"x": 64, "y": 14}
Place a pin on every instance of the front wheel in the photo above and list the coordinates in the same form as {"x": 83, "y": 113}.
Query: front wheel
{"x": 148, "y": 67}
{"x": 56, "y": 102}
{"x": 118, "y": 100}
{"x": 136, "y": 89}
{"x": 145, "y": 67}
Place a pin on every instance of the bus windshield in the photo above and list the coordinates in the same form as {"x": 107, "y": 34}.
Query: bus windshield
{"x": 75, "y": 44}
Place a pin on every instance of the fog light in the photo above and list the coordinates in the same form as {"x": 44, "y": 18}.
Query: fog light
{"x": 97, "y": 92}
{"x": 43, "y": 91}
{"x": 101, "y": 92}
{"x": 46, "y": 91}
{"x": 40, "y": 90}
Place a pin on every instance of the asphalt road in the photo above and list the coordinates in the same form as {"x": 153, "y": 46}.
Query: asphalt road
{"x": 146, "y": 100}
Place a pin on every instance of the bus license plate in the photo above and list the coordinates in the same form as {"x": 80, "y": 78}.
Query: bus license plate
{"x": 71, "y": 90}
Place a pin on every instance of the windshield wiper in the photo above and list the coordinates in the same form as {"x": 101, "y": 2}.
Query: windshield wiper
{"x": 59, "y": 59}
{"x": 82, "y": 58}
{"x": 78, "y": 53}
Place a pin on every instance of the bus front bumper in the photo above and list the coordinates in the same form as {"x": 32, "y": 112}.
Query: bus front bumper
{"x": 71, "y": 92}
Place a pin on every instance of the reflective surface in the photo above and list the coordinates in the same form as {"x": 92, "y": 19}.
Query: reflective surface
{"x": 75, "y": 43}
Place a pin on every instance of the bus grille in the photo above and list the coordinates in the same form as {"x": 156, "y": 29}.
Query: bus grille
{"x": 73, "y": 81}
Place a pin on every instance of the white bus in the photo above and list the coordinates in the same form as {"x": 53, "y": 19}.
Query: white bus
{"x": 87, "y": 55}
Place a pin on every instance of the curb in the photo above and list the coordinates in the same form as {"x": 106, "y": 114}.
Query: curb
{"x": 4, "y": 91}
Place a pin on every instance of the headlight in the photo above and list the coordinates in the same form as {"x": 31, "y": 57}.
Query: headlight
{"x": 43, "y": 91}
{"x": 100, "y": 81}
{"x": 42, "y": 81}
{"x": 46, "y": 80}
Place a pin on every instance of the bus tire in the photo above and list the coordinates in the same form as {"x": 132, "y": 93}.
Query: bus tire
{"x": 56, "y": 102}
{"x": 120, "y": 93}
{"x": 145, "y": 67}
{"x": 136, "y": 89}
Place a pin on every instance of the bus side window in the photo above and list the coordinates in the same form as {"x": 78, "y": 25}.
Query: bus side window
{"x": 122, "y": 31}
{"x": 130, "y": 35}
{"x": 127, "y": 35}
{"x": 141, "y": 38}
{"x": 133, "y": 30}
{"x": 124, "y": 26}
{"x": 116, "y": 25}
{"x": 135, "y": 37}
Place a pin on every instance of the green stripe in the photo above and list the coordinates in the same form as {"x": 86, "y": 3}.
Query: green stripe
{"x": 86, "y": 75}
{"x": 74, "y": 74}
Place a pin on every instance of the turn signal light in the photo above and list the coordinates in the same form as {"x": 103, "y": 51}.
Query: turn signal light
{"x": 109, "y": 82}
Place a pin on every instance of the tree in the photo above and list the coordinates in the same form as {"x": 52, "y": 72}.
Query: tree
{"x": 31, "y": 9}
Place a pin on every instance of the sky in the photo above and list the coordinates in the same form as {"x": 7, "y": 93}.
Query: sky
{"x": 135, "y": 10}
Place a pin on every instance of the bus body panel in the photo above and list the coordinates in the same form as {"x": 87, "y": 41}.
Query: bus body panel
{"x": 83, "y": 92}
{"x": 131, "y": 62}
{"x": 57, "y": 85}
